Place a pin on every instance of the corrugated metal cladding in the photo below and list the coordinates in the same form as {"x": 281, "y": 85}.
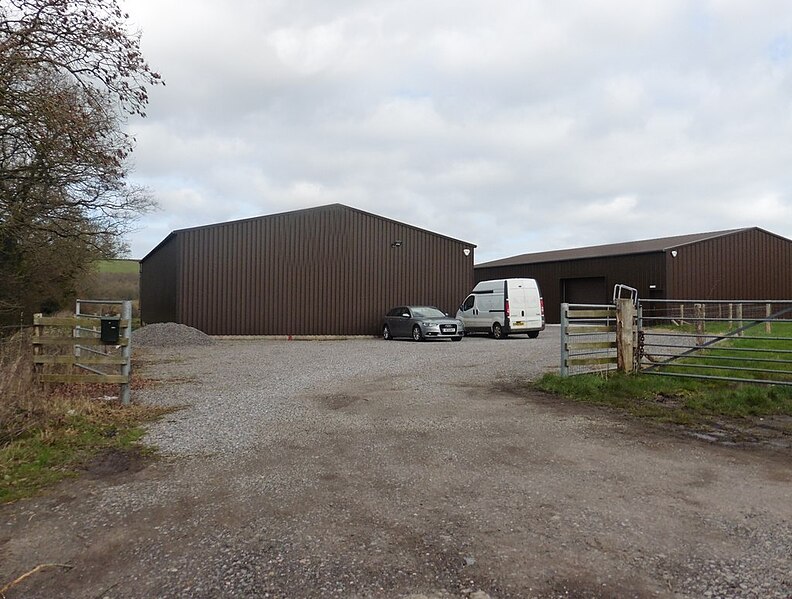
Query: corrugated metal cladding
{"x": 332, "y": 270}
{"x": 639, "y": 271}
{"x": 158, "y": 281}
{"x": 750, "y": 264}
{"x": 742, "y": 264}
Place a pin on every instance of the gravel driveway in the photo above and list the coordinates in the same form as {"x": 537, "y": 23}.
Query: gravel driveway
{"x": 367, "y": 468}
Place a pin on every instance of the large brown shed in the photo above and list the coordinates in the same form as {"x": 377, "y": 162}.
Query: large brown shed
{"x": 748, "y": 263}
{"x": 331, "y": 270}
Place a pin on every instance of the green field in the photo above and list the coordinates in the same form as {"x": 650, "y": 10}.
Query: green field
{"x": 118, "y": 266}
{"x": 759, "y": 355}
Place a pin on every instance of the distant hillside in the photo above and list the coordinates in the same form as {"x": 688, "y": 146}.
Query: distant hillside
{"x": 118, "y": 266}
{"x": 113, "y": 280}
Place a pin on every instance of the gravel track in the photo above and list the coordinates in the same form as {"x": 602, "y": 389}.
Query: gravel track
{"x": 367, "y": 468}
{"x": 247, "y": 397}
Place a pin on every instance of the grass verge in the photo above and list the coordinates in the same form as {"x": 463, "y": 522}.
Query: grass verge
{"x": 47, "y": 436}
{"x": 759, "y": 355}
{"x": 60, "y": 444}
{"x": 678, "y": 401}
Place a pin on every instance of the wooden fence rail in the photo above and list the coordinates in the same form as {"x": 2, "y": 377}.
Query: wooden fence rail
{"x": 65, "y": 347}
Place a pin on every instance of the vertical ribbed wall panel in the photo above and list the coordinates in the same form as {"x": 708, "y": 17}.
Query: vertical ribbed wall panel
{"x": 322, "y": 271}
{"x": 636, "y": 270}
{"x": 159, "y": 274}
{"x": 750, "y": 264}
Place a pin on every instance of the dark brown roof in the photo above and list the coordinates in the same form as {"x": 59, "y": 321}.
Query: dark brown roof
{"x": 614, "y": 249}
{"x": 314, "y": 209}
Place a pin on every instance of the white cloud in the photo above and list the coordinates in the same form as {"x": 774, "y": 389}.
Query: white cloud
{"x": 518, "y": 126}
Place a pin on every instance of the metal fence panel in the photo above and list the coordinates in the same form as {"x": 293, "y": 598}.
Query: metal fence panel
{"x": 734, "y": 340}
{"x": 588, "y": 338}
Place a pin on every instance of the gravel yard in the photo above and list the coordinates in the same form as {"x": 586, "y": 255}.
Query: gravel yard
{"x": 366, "y": 468}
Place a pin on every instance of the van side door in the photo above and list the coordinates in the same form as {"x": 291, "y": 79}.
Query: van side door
{"x": 466, "y": 312}
{"x": 480, "y": 318}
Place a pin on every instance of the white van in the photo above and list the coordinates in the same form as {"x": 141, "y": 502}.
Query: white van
{"x": 504, "y": 307}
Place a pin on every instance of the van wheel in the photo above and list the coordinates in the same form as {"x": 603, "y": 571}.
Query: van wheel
{"x": 497, "y": 331}
{"x": 533, "y": 334}
{"x": 386, "y": 334}
{"x": 417, "y": 335}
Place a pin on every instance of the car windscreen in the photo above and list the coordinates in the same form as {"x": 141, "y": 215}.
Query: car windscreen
{"x": 427, "y": 312}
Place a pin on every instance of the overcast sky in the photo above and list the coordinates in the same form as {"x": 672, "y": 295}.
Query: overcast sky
{"x": 516, "y": 125}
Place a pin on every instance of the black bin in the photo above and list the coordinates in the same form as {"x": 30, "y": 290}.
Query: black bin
{"x": 111, "y": 329}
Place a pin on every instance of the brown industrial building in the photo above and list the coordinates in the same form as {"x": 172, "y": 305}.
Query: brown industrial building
{"x": 331, "y": 270}
{"x": 748, "y": 263}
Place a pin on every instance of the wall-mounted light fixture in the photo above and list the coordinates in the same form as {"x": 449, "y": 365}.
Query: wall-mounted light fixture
{"x": 652, "y": 286}
{"x": 673, "y": 253}
{"x": 466, "y": 251}
{"x": 397, "y": 243}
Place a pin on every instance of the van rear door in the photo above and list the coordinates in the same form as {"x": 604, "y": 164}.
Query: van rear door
{"x": 525, "y": 309}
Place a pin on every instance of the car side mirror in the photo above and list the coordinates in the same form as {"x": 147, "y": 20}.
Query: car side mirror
{"x": 405, "y": 315}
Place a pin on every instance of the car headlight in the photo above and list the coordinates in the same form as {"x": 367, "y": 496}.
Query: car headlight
{"x": 427, "y": 323}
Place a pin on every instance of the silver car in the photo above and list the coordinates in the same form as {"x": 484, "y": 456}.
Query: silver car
{"x": 421, "y": 322}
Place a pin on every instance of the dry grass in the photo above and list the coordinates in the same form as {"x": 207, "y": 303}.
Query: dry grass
{"x": 46, "y": 433}
{"x": 22, "y": 405}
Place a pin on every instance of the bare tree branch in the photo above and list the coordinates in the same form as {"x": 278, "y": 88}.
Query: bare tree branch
{"x": 70, "y": 73}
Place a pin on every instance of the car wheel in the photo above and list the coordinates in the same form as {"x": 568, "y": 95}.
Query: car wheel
{"x": 386, "y": 334}
{"x": 417, "y": 335}
{"x": 497, "y": 331}
{"x": 533, "y": 334}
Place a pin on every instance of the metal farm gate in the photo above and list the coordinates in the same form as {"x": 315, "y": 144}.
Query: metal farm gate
{"x": 747, "y": 341}
{"x": 588, "y": 338}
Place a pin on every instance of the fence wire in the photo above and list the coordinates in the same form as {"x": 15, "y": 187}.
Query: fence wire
{"x": 735, "y": 340}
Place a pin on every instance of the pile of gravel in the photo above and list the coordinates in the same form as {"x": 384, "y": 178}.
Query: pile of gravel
{"x": 167, "y": 334}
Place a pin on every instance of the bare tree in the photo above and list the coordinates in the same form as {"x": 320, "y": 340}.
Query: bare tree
{"x": 70, "y": 74}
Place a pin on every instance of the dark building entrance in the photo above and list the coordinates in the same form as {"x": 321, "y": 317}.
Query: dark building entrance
{"x": 585, "y": 290}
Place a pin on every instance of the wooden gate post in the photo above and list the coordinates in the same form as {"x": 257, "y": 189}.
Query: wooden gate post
{"x": 625, "y": 335}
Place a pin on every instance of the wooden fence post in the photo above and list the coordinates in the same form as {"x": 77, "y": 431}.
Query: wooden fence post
{"x": 625, "y": 335}
{"x": 36, "y": 346}
{"x": 126, "y": 351}
{"x": 739, "y": 318}
{"x": 768, "y": 312}
{"x": 698, "y": 315}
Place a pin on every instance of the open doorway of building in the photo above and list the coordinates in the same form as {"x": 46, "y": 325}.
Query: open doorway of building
{"x": 585, "y": 290}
